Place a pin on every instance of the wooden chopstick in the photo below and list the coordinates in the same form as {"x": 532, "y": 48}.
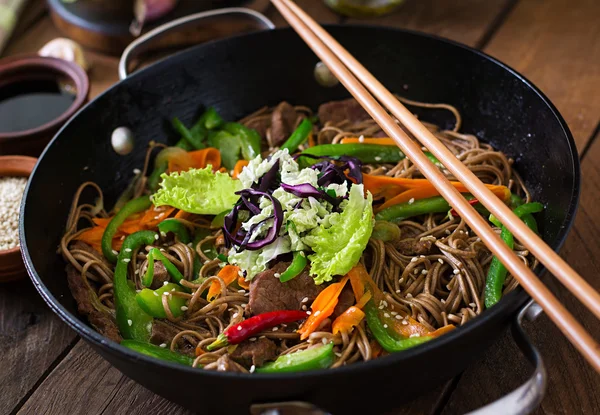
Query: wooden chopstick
{"x": 332, "y": 54}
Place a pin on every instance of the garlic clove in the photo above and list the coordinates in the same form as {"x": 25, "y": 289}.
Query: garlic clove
{"x": 66, "y": 49}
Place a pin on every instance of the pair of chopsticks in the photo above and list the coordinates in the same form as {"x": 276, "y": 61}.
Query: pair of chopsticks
{"x": 359, "y": 82}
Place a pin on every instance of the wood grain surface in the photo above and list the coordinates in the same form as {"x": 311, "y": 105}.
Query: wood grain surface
{"x": 555, "y": 43}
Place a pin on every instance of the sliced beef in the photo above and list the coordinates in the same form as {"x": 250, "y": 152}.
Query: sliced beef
{"x": 255, "y": 353}
{"x": 160, "y": 275}
{"x": 345, "y": 300}
{"x": 267, "y": 293}
{"x": 225, "y": 364}
{"x": 102, "y": 321}
{"x": 163, "y": 333}
{"x": 414, "y": 247}
{"x": 261, "y": 125}
{"x": 283, "y": 122}
{"x": 337, "y": 111}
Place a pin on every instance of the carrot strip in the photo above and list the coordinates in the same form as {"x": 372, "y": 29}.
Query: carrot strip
{"x": 204, "y": 157}
{"x": 239, "y": 166}
{"x": 347, "y": 320}
{"x": 322, "y": 307}
{"x": 154, "y": 216}
{"x": 382, "y": 141}
{"x": 93, "y": 237}
{"x": 311, "y": 139}
{"x": 229, "y": 273}
{"x": 243, "y": 283}
{"x": 442, "y": 330}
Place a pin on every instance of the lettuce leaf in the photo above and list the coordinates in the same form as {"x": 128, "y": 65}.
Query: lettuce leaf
{"x": 198, "y": 191}
{"x": 338, "y": 247}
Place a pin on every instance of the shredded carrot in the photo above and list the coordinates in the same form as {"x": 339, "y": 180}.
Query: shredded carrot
{"x": 154, "y": 216}
{"x": 229, "y": 273}
{"x": 199, "y": 351}
{"x": 322, "y": 307}
{"x": 197, "y": 159}
{"x": 364, "y": 299}
{"x": 182, "y": 214}
{"x": 239, "y": 166}
{"x": 382, "y": 141}
{"x": 243, "y": 283}
{"x": 311, "y": 139}
{"x": 442, "y": 330}
{"x": 93, "y": 237}
{"x": 347, "y": 320}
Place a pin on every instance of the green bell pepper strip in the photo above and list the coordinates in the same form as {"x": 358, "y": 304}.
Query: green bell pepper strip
{"x": 133, "y": 206}
{"x": 298, "y": 137}
{"x": 154, "y": 178}
{"x": 157, "y": 352}
{"x": 320, "y": 357}
{"x": 219, "y": 220}
{"x": 389, "y": 340}
{"x": 249, "y": 139}
{"x": 155, "y": 254}
{"x": 528, "y": 218}
{"x": 211, "y": 119}
{"x": 134, "y": 323}
{"x": 433, "y": 159}
{"x": 298, "y": 264}
{"x": 228, "y": 145}
{"x": 177, "y": 228}
{"x": 497, "y": 271}
{"x": 151, "y": 300}
{"x": 367, "y": 153}
{"x": 436, "y": 204}
{"x": 195, "y": 140}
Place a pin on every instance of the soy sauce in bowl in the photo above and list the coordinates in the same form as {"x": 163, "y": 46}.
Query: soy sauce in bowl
{"x": 29, "y": 104}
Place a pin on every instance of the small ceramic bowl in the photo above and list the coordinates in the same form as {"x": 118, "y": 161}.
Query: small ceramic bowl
{"x": 11, "y": 263}
{"x": 19, "y": 69}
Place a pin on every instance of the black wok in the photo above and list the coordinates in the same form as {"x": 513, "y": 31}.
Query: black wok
{"x": 240, "y": 75}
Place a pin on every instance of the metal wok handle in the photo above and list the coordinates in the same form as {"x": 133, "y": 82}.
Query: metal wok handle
{"x": 528, "y": 396}
{"x": 143, "y": 43}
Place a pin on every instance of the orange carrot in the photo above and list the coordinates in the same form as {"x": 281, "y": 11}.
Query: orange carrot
{"x": 347, "y": 320}
{"x": 311, "y": 139}
{"x": 442, "y": 330}
{"x": 154, "y": 216}
{"x": 229, "y": 273}
{"x": 239, "y": 166}
{"x": 382, "y": 141}
{"x": 322, "y": 307}
{"x": 93, "y": 237}
{"x": 243, "y": 283}
{"x": 197, "y": 159}
{"x": 182, "y": 214}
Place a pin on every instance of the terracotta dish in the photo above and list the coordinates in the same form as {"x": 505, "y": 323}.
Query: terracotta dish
{"x": 11, "y": 263}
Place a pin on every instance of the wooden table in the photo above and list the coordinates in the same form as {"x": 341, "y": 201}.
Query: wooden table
{"x": 47, "y": 369}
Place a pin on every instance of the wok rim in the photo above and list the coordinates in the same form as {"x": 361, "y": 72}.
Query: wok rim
{"x": 516, "y": 299}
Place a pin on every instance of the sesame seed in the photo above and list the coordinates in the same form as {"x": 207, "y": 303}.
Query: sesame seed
{"x": 317, "y": 312}
{"x": 163, "y": 234}
{"x": 421, "y": 256}
{"x": 241, "y": 291}
{"x": 338, "y": 354}
{"x": 394, "y": 313}
{"x": 398, "y": 291}
{"x": 136, "y": 171}
{"x": 122, "y": 238}
{"x": 361, "y": 139}
{"x": 398, "y": 317}
{"x": 127, "y": 249}
{"x": 308, "y": 312}
{"x": 252, "y": 339}
{"x": 172, "y": 289}
{"x": 207, "y": 250}
{"x": 448, "y": 232}
{"x": 472, "y": 305}
{"x": 385, "y": 326}
{"x": 415, "y": 335}
{"x": 302, "y": 253}
{"x": 275, "y": 329}
{"x": 324, "y": 340}
{"x": 401, "y": 280}
{"x": 205, "y": 262}
{"x": 277, "y": 275}
{"x": 424, "y": 272}
{"x": 114, "y": 252}
{"x": 184, "y": 308}
{"x": 304, "y": 307}
{"x": 404, "y": 322}
{"x": 239, "y": 328}
{"x": 411, "y": 201}
{"x": 385, "y": 304}
{"x": 440, "y": 260}
{"x": 155, "y": 293}
{"x": 130, "y": 323}
{"x": 414, "y": 259}
{"x": 126, "y": 260}
{"x": 456, "y": 271}
{"x": 443, "y": 301}
{"x": 409, "y": 295}
{"x": 416, "y": 271}
{"x": 305, "y": 300}
{"x": 235, "y": 315}
{"x": 165, "y": 283}
{"x": 163, "y": 345}
{"x": 167, "y": 293}
{"x": 386, "y": 315}
{"x": 156, "y": 237}
{"x": 377, "y": 158}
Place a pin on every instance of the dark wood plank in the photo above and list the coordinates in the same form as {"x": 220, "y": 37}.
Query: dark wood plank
{"x": 465, "y": 21}
{"x": 31, "y": 339}
{"x": 555, "y": 44}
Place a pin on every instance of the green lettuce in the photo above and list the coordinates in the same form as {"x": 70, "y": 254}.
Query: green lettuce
{"x": 198, "y": 191}
{"x": 338, "y": 244}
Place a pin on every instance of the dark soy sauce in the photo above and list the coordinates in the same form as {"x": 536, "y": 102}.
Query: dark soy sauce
{"x": 29, "y": 104}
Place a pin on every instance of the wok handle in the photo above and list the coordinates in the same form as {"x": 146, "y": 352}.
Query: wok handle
{"x": 144, "y": 42}
{"x": 528, "y": 396}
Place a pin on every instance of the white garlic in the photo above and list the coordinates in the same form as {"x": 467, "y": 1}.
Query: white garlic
{"x": 65, "y": 49}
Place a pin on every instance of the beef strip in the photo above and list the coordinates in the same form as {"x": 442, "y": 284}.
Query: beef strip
{"x": 261, "y": 125}
{"x": 414, "y": 247}
{"x": 102, "y": 321}
{"x": 255, "y": 353}
{"x": 160, "y": 275}
{"x": 337, "y": 111}
{"x": 267, "y": 293}
{"x": 163, "y": 333}
{"x": 345, "y": 300}
{"x": 283, "y": 122}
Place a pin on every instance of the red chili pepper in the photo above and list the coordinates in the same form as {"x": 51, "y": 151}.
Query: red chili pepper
{"x": 471, "y": 202}
{"x": 254, "y": 325}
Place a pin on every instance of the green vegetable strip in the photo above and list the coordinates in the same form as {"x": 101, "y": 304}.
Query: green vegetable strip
{"x": 154, "y": 178}
{"x": 389, "y": 340}
{"x": 134, "y": 323}
{"x": 433, "y": 159}
{"x": 211, "y": 119}
{"x": 157, "y": 352}
{"x": 528, "y": 217}
{"x": 497, "y": 271}
{"x": 249, "y": 139}
{"x": 151, "y": 300}
{"x": 435, "y": 204}
{"x": 194, "y": 140}
{"x": 134, "y": 206}
{"x": 171, "y": 269}
{"x": 320, "y": 357}
{"x": 367, "y": 153}
{"x": 298, "y": 137}
{"x": 296, "y": 267}
{"x": 177, "y": 228}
